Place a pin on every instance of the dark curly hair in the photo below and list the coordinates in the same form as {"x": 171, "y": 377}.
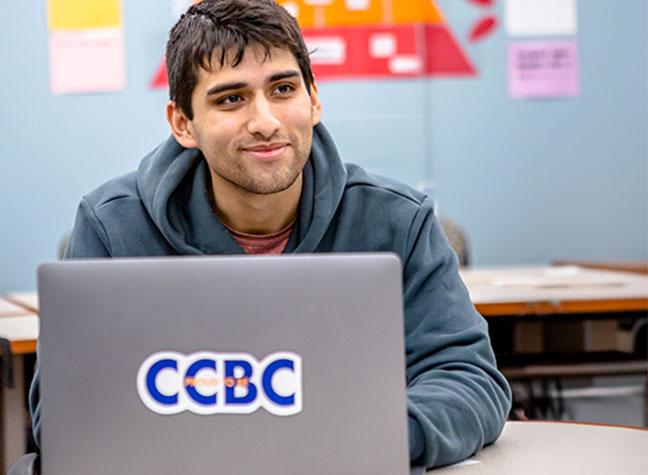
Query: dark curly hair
{"x": 213, "y": 28}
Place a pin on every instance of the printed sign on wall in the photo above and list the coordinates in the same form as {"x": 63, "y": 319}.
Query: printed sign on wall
{"x": 543, "y": 69}
{"x": 373, "y": 38}
{"x": 377, "y": 39}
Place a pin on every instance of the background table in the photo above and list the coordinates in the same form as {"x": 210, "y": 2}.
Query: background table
{"x": 548, "y": 323}
{"x": 559, "y": 448}
{"x": 19, "y": 324}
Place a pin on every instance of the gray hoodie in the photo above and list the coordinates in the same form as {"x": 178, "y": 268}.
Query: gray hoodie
{"x": 457, "y": 399}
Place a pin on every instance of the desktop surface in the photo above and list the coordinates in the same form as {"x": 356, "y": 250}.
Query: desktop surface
{"x": 559, "y": 448}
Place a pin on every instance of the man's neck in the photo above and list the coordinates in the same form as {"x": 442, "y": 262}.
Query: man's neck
{"x": 253, "y": 213}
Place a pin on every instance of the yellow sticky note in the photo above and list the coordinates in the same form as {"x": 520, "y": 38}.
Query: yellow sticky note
{"x": 83, "y": 14}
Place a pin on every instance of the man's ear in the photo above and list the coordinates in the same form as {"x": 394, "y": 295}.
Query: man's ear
{"x": 316, "y": 104}
{"x": 180, "y": 126}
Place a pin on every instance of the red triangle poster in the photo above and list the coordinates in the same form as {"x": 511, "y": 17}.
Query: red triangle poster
{"x": 364, "y": 39}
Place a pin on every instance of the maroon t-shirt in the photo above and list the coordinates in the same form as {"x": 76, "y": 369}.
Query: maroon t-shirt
{"x": 274, "y": 243}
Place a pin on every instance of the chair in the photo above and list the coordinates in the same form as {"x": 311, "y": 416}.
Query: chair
{"x": 457, "y": 239}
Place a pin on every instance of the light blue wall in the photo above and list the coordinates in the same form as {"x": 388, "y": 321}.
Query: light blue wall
{"x": 530, "y": 181}
{"x": 534, "y": 181}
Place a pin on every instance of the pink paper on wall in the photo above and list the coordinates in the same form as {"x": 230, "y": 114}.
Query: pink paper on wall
{"x": 87, "y": 61}
{"x": 543, "y": 69}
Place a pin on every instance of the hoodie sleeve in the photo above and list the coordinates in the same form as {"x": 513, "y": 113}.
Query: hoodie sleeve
{"x": 457, "y": 399}
{"x": 88, "y": 239}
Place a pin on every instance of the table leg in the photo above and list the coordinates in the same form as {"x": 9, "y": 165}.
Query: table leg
{"x": 13, "y": 418}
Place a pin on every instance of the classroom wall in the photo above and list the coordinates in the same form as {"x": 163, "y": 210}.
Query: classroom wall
{"x": 529, "y": 181}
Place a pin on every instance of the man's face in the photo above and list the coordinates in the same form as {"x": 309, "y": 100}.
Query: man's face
{"x": 254, "y": 122}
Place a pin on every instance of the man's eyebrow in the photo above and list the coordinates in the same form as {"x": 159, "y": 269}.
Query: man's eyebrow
{"x": 228, "y": 86}
{"x": 283, "y": 75}
{"x": 231, "y": 86}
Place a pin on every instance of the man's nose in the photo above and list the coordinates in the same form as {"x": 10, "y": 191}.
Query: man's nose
{"x": 262, "y": 120}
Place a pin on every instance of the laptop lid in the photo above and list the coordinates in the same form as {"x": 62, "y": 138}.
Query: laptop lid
{"x": 273, "y": 365}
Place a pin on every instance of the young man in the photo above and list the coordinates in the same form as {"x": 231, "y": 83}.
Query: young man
{"x": 249, "y": 168}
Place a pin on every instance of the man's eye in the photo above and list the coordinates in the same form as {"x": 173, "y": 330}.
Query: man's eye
{"x": 284, "y": 88}
{"x": 231, "y": 99}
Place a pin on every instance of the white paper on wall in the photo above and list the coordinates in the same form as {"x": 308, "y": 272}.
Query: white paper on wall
{"x": 541, "y": 17}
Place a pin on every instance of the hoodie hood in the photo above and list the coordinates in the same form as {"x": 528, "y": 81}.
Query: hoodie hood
{"x": 174, "y": 185}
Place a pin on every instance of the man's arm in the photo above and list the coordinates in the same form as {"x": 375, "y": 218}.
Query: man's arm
{"x": 457, "y": 399}
{"x": 87, "y": 240}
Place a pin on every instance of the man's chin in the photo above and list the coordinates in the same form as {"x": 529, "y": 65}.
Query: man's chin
{"x": 271, "y": 185}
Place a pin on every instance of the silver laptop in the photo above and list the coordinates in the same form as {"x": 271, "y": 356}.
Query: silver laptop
{"x": 233, "y": 365}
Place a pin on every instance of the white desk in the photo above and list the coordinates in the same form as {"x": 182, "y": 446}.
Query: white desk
{"x": 559, "y": 448}
{"x": 8, "y": 309}
{"x": 554, "y": 290}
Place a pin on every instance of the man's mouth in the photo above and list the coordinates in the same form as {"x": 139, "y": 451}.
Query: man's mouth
{"x": 266, "y": 151}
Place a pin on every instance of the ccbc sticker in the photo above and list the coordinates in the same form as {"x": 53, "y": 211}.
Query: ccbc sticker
{"x": 206, "y": 383}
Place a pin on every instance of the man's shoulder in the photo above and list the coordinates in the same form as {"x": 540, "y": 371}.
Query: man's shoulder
{"x": 358, "y": 179}
{"x": 121, "y": 188}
